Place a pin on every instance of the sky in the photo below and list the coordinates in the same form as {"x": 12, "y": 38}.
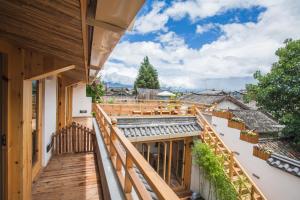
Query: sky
{"x": 204, "y": 44}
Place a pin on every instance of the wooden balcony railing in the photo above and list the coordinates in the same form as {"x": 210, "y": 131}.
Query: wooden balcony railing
{"x": 241, "y": 181}
{"x": 73, "y": 138}
{"x": 127, "y": 160}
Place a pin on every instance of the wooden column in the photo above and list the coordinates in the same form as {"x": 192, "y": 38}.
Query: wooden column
{"x": 18, "y": 148}
{"x": 170, "y": 163}
{"x": 69, "y": 102}
{"x": 158, "y": 157}
{"x": 148, "y": 151}
{"x": 187, "y": 162}
{"x": 165, "y": 160}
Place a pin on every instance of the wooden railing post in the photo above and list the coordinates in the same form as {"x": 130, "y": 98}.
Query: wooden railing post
{"x": 112, "y": 137}
{"x": 127, "y": 183}
{"x": 231, "y": 165}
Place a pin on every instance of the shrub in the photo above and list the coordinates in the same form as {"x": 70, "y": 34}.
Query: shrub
{"x": 213, "y": 167}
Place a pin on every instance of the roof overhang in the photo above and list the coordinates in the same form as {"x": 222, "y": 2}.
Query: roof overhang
{"x": 108, "y": 23}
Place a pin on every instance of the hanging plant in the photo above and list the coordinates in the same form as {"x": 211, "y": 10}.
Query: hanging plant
{"x": 213, "y": 167}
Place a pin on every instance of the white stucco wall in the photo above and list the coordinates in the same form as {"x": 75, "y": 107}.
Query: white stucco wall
{"x": 81, "y": 101}
{"x": 228, "y": 105}
{"x": 200, "y": 184}
{"x": 49, "y": 116}
{"x": 274, "y": 183}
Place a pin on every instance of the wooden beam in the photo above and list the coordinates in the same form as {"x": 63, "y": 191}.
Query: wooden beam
{"x": 83, "y": 9}
{"x": 39, "y": 66}
{"x": 105, "y": 25}
{"x": 50, "y": 73}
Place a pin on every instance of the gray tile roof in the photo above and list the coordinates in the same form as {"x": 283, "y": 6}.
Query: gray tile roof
{"x": 283, "y": 156}
{"x": 158, "y": 127}
{"x": 202, "y": 98}
{"x": 258, "y": 121}
{"x": 285, "y": 163}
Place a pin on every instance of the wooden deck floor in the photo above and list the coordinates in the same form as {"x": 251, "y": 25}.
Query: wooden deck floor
{"x": 68, "y": 177}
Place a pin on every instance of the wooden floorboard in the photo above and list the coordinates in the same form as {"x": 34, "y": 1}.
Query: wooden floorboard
{"x": 68, "y": 177}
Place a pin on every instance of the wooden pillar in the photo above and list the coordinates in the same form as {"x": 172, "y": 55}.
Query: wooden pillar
{"x": 18, "y": 143}
{"x": 170, "y": 163}
{"x": 165, "y": 160}
{"x": 188, "y": 162}
{"x": 148, "y": 151}
{"x": 61, "y": 112}
{"x": 69, "y": 103}
{"x": 158, "y": 157}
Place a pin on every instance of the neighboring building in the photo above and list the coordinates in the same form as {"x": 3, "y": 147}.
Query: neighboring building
{"x": 148, "y": 94}
{"x": 222, "y": 101}
{"x": 278, "y": 179}
{"x": 165, "y": 95}
{"x": 261, "y": 123}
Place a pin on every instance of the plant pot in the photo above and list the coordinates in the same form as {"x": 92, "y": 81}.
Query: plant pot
{"x": 225, "y": 115}
{"x": 260, "y": 154}
{"x": 249, "y": 138}
{"x": 237, "y": 125}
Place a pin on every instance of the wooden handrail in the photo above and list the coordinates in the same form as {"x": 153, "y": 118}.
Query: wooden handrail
{"x": 124, "y": 155}
{"x": 233, "y": 162}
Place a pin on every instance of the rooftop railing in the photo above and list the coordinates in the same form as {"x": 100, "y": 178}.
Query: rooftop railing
{"x": 127, "y": 160}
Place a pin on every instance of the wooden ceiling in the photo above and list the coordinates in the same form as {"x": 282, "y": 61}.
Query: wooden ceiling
{"x": 57, "y": 28}
{"x": 51, "y": 27}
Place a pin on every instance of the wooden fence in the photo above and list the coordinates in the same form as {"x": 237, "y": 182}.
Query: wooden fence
{"x": 126, "y": 158}
{"x": 241, "y": 181}
{"x": 73, "y": 138}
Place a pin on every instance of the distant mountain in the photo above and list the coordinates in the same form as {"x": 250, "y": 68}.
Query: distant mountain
{"x": 117, "y": 85}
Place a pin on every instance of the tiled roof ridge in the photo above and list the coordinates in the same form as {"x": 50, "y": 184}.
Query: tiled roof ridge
{"x": 285, "y": 163}
{"x": 155, "y": 125}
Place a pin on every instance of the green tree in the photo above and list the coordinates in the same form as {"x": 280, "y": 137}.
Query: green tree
{"x": 95, "y": 90}
{"x": 147, "y": 76}
{"x": 278, "y": 92}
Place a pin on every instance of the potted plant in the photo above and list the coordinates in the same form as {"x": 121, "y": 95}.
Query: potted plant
{"x": 237, "y": 123}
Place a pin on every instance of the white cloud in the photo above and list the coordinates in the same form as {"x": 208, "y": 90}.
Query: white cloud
{"x": 243, "y": 49}
{"x": 205, "y": 28}
{"x": 152, "y": 21}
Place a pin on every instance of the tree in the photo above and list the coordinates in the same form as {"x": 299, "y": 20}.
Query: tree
{"x": 278, "y": 92}
{"x": 95, "y": 90}
{"x": 147, "y": 76}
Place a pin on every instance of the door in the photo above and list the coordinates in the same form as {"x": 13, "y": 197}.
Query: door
{"x": 3, "y": 119}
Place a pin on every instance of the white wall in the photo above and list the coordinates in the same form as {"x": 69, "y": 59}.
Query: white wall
{"x": 200, "y": 184}
{"x": 49, "y": 116}
{"x": 228, "y": 105}
{"x": 274, "y": 183}
{"x": 81, "y": 101}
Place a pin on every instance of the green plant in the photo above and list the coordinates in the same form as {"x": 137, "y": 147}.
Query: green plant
{"x": 278, "y": 91}
{"x": 213, "y": 167}
{"x": 147, "y": 76}
{"x": 236, "y": 119}
{"x": 249, "y": 133}
{"x": 95, "y": 90}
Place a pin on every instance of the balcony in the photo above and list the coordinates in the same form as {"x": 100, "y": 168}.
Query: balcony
{"x": 108, "y": 163}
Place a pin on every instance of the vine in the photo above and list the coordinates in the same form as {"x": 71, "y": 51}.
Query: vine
{"x": 213, "y": 167}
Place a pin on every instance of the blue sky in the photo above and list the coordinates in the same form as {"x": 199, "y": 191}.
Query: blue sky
{"x": 197, "y": 44}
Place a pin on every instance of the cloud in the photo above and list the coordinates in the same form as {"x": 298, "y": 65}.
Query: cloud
{"x": 205, "y": 28}
{"x": 239, "y": 52}
{"x": 152, "y": 21}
